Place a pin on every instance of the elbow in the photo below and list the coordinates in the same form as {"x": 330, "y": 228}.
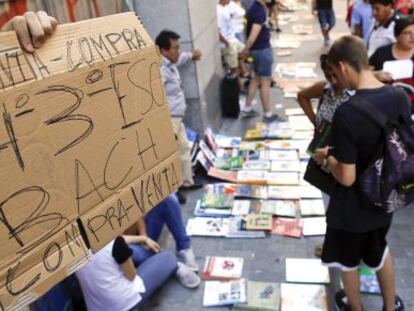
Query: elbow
{"x": 130, "y": 276}
{"x": 347, "y": 181}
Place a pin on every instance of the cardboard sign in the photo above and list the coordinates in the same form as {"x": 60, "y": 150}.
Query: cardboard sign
{"x": 85, "y": 139}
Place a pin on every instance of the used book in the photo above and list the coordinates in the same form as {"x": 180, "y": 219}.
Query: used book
{"x": 256, "y": 165}
{"x": 312, "y": 207}
{"x": 222, "y": 293}
{"x": 314, "y": 226}
{"x": 283, "y": 192}
{"x": 287, "y": 227}
{"x": 306, "y": 270}
{"x": 237, "y": 229}
{"x": 285, "y": 166}
{"x": 285, "y": 208}
{"x": 251, "y": 177}
{"x": 222, "y": 268}
{"x": 204, "y": 226}
{"x": 303, "y": 297}
{"x": 261, "y": 296}
{"x": 201, "y": 211}
{"x": 259, "y": 222}
{"x": 245, "y": 207}
{"x": 282, "y": 178}
{"x": 251, "y": 191}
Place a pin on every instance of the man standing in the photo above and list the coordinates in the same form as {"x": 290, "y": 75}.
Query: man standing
{"x": 382, "y": 32}
{"x": 258, "y": 44}
{"x": 172, "y": 59}
{"x": 356, "y": 229}
{"x": 362, "y": 19}
{"x": 326, "y": 16}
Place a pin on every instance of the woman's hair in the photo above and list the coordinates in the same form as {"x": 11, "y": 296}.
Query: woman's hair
{"x": 401, "y": 24}
{"x": 324, "y": 61}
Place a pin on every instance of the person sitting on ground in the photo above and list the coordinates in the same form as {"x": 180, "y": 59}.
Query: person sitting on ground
{"x": 331, "y": 95}
{"x": 326, "y": 16}
{"x": 403, "y": 49}
{"x": 110, "y": 281}
{"x": 231, "y": 47}
{"x": 382, "y": 31}
{"x": 258, "y": 45}
{"x": 172, "y": 59}
{"x": 32, "y": 29}
{"x": 356, "y": 229}
{"x": 167, "y": 213}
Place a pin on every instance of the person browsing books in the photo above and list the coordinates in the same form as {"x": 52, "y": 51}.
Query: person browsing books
{"x": 356, "y": 229}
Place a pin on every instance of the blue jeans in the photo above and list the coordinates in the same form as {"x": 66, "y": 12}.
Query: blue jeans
{"x": 167, "y": 212}
{"x": 154, "y": 272}
{"x": 263, "y": 62}
{"x": 326, "y": 19}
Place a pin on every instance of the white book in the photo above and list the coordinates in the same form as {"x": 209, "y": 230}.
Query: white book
{"x": 282, "y": 178}
{"x": 284, "y": 208}
{"x": 309, "y": 192}
{"x": 282, "y": 155}
{"x": 303, "y": 297}
{"x": 314, "y": 226}
{"x": 312, "y": 207}
{"x": 306, "y": 270}
{"x": 399, "y": 69}
{"x": 254, "y": 177}
{"x": 241, "y": 207}
{"x": 256, "y": 165}
{"x": 205, "y": 226}
{"x": 221, "y": 293}
{"x": 223, "y": 268}
{"x": 285, "y": 166}
{"x": 283, "y": 192}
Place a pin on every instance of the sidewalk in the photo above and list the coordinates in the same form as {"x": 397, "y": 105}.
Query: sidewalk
{"x": 264, "y": 258}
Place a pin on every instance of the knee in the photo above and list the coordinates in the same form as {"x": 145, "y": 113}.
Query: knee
{"x": 169, "y": 261}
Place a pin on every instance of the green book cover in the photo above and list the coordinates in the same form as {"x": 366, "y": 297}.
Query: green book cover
{"x": 263, "y": 296}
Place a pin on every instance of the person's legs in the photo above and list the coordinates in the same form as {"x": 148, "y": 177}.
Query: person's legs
{"x": 184, "y": 151}
{"x": 351, "y": 287}
{"x": 265, "y": 94}
{"x": 251, "y": 93}
{"x": 386, "y": 280}
{"x": 155, "y": 271}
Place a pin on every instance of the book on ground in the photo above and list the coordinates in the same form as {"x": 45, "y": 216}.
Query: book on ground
{"x": 283, "y": 192}
{"x": 201, "y": 211}
{"x": 314, "y": 226}
{"x": 303, "y": 297}
{"x": 312, "y": 207}
{"x": 205, "y": 226}
{"x": 259, "y": 222}
{"x": 245, "y": 207}
{"x": 368, "y": 281}
{"x": 285, "y": 208}
{"x": 222, "y": 268}
{"x": 251, "y": 177}
{"x": 237, "y": 229}
{"x": 287, "y": 227}
{"x": 306, "y": 270}
{"x": 261, "y": 296}
{"x": 285, "y": 166}
{"x": 282, "y": 178}
{"x": 221, "y": 293}
{"x": 251, "y": 191}
{"x": 256, "y": 165}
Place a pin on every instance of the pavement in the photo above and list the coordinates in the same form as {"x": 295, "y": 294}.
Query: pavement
{"x": 264, "y": 258}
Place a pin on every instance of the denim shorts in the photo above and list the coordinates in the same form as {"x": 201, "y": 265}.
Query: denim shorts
{"x": 263, "y": 62}
{"x": 326, "y": 18}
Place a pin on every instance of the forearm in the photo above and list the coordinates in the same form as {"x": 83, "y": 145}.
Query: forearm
{"x": 307, "y": 108}
{"x": 222, "y": 39}
{"x": 141, "y": 226}
{"x": 135, "y": 239}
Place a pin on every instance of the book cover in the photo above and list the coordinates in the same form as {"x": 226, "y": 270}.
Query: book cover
{"x": 282, "y": 178}
{"x": 283, "y": 192}
{"x": 223, "y": 141}
{"x": 251, "y": 177}
{"x": 285, "y": 166}
{"x": 230, "y": 176}
{"x": 287, "y": 227}
{"x": 259, "y": 222}
{"x": 303, "y": 297}
{"x": 222, "y": 268}
{"x": 256, "y": 165}
{"x": 285, "y": 208}
{"x": 314, "y": 226}
{"x": 309, "y": 192}
{"x": 237, "y": 229}
{"x": 201, "y": 211}
{"x": 312, "y": 207}
{"x": 306, "y": 270}
{"x": 255, "y": 134}
{"x": 369, "y": 282}
{"x": 279, "y": 133}
{"x": 204, "y": 226}
{"x": 261, "y": 296}
{"x": 282, "y": 155}
{"x": 217, "y": 200}
{"x": 251, "y": 191}
{"x": 221, "y": 293}
{"x": 241, "y": 207}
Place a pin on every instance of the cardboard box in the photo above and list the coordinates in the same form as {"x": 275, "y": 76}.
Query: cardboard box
{"x": 82, "y": 122}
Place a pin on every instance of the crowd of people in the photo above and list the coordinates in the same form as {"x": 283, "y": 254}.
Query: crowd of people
{"x": 125, "y": 273}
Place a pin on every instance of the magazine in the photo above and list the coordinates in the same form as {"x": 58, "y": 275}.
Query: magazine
{"x": 303, "y": 297}
{"x": 204, "y": 226}
{"x": 259, "y": 222}
{"x": 251, "y": 191}
{"x": 261, "y": 296}
{"x": 312, "y": 207}
{"x": 222, "y": 268}
{"x": 221, "y": 293}
{"x": 285, "y": 208}
{"x": 200, "y": 211}
{"x": 287, "y": 227}
{"x": 237, "y": 229}
{"x": 306, "y": 270}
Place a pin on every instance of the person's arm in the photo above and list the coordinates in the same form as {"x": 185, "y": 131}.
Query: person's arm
{"x": 356, "y": 23}
{"x": 313, "y": 6}
{"x": 128, "y": 269}
{"x": 254, "y": 33}
{"x": 32, "y": 29}
{"x": 187, "y": 57}
{"x": 223, "y": 40}
{"x": 122, "y": 255}
{"x": 305, "y": 96}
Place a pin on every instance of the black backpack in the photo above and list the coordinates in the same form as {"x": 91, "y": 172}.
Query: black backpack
{"x": 229, "y": 96}
{"x": 388, "y": 180}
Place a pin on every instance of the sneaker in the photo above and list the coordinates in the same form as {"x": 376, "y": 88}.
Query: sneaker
{"x": 187, "y": 257}
{"x": 272, "y": 118}
{"x": 187, "y": 277}
{"x": 181, "y": 197}
{"x": 398, "y": 306}
{"x": 341, "y": 302}
{"x": 249, "y": 114}
{"x": 327, "y": 42}
{"x": 278, "y": 30}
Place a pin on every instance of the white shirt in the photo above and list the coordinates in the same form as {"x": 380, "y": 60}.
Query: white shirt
{"x": 381, "y": 36}
{"x": 104, "y": 285}
{"x": 225, "y": 23}
{"x": 237, "y": 13}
